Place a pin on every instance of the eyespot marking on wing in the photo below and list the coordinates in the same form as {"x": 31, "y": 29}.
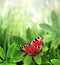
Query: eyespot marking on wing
{"x": 40, "y": 47}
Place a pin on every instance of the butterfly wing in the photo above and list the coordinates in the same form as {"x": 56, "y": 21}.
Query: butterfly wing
{"x": 28, "y": 49}
{"x": 37, "y": 43}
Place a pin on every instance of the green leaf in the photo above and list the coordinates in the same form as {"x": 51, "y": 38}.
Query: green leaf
{"x": 58, "y": 53}
{"x": 2, "y": 37}
{"x": 17, "y": 59}
{"x": 1, "y": 60}
{"x": 27, "y": 60}
{"x": 47, "y": 38}
{"x": 11, "y": 50}
{"x": 29, "y": 34}
{"x": 1, "y": 64}
{"x": 32, "y": 63}
{"x": 36, "y": 31}
{"x": 55, "y": 19}
{"x": 54, "y": 43}
{"x": 8, "y": 63}
{"x": 45, "y": 60}
{"x": 55, "y": 61}
{"x": 52, "y": 53}
{"x": 18, "y": 53}
{"x": 46, "y": 27}
{"x": 58, "y": 38}
{"x": 2, "y": 54}
{"x": 45, "y": 48}
{"x": 45, "y": 64}
{"x": 38, "y": 59}
{"x": 18, "y": 40}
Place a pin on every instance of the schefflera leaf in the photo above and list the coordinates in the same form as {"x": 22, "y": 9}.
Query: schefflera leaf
{"x": 2, "y": 53}
{"x": 38, "y": 59}
{"x": 55, "y": 61}
{"x": 11, "y": 50}
{"x": 27, "y": 60}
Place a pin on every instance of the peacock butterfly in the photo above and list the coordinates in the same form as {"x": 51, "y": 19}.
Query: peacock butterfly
{"x": 34, "y": 47}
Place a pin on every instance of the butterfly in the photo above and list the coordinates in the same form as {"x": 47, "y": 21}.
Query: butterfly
{"x": 33, "y": 48}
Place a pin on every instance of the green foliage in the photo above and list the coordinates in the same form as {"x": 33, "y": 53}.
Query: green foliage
{"x": 19, "y": 40}
{"x": 56, "y": 61}
{"x": 52, "y": 53}
{"x": 46, "y": 27}
{"x": 29, "y": 32}
{"x": 52, "y": 30}
{"x": 38, "y": 59}
{"x": 55, "y": 19}
{"x": 51, "y": 38}
{"x": 10, "y": 43}
{"x": 45, "y": 48}
{"x": 8, "y": 47}
{"x": 58, "y": 53}
{"x": 7, "y": 64}
{"x": 2, "y": 54}
{"x": 16, "y": 59}
{"x": 11, "y": 50}
{"x": 27, "y": 60}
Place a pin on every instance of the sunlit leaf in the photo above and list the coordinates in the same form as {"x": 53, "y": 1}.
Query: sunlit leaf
{"x": 38, "y": 59}
{"x": 55, "y": 61}
{"x": 1, "y": 60}
{"x": 45, "y": 48}
{"x": 47, "y": 38}
{"x": 27, "y": 60}
{"x": 2, "y": 53}
{"x": 17, "y": 59}
{"x": 8, "y": 63}
{"x": 11, "y": 50}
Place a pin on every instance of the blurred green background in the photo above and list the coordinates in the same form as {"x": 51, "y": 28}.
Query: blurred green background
{"x": 28, "y": 12}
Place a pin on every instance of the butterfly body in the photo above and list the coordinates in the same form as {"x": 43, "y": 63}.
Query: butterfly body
{"x": 34, "y": 47}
